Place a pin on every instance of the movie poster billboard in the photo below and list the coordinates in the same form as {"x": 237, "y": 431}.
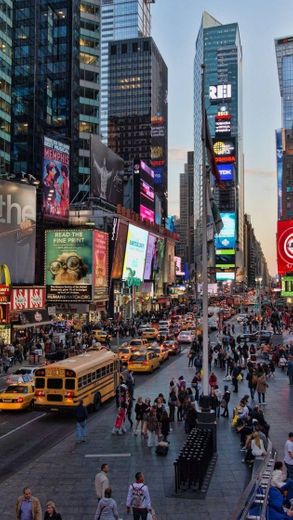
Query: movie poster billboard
{"x": 119, "y": 250}
{"x": 158, "y": 262}
{"x": 55, "y": 179}
{"x": 285, "y": 246}
{"x": 18, "y": 230}
{"x": 101, "y": 264}
{"x": 169, "y": 271}
{"x": 106, "y": 173}
{"x": 149, "y": 257}
{"x": 135, "y": 253}
{"x": 68, "y": 266}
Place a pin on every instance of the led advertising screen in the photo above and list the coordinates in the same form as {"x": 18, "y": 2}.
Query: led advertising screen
{"x": 68, "y": 266}
{"x": 18, "y": 230}
{"x": 224, "y": 277}
{"x": 119, "y": 250}
{"x": 285, "y": 246}
{"x": 55, "y": 179}
{"x": 146, "y": 213}
{"x": 135, "y": 253}
{"x": 100, "y": 264}
{"x": 148, "y": 268}
{"x": 226, "y": 239}
{"x": 144, "y": 194}
{"x": 287, "y": 286}
{"x": 158, "y": 261}
{"x": 106, "y": 173}
{"x": 225, "y": 172}
{"x": 279, "y": 151}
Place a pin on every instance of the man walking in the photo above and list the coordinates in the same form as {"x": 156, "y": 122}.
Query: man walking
{"x": 28, "y": 507}
{"x": 139, "y": 498}
{"x": 102, "y": 481}
{"x": 81, "y": 417}
{"x": 288, "y": 455}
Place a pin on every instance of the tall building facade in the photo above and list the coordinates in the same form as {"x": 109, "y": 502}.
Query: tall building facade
{"x": 138, "y": 108}
{"x": 5, "y": 83}
{"x": 186, "y": 242}
{"x": 120, "y": 20}
{"x": 218, "y": 48}
{"x": 255, "y": 262}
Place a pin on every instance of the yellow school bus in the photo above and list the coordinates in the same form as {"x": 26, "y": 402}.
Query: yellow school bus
{"x": 92, "y": 376}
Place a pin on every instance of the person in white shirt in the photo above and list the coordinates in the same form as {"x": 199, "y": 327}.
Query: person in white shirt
{"x": 288, "y": 455}
{"x": 138, "y": 498}
{"x": 257, "y": 446}
{"x": 279, "y": 480}
{"x": 102, "y": 481}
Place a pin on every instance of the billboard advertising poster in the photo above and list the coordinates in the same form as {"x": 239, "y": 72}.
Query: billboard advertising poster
{"x": 279, "y": 151}
{"x": 287, "y": 286}
{"x": 169, "y": 271}
{"x": 285, "y": 246}
{"x": 226, "y": 239}
{"x": 146, "y": 213}
{"x": 149, "y": 257}
{"x": 68, "y": 266}
{"x": 27, "y": 298}
{"x": 226, "y": 172}
{"x": 100, "y": 267}
{"x": 55, "y": 179}
{"x": 159, "y": 175}
{"x": 225, "y": 277}
{"x": 224, "y": 147}
{"x": 158, "y": 260}
{"x": 135, "y": 253}
{"x": 18, "y": 230}
{"x": 106, "y": 173}
{"x": 119, "y": 250}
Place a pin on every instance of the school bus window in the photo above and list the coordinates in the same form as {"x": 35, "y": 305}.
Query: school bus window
{"x": 89, "y": 378}
{"x": 79, "y": 383}
{"x": 40, "y": 382}
{"x": 54, "y": 383}
{"x": 84, "y": 381}
{"x": 103, "y": 371}
{"x": 69, "y": 384}
{"x": 98, "y": 374}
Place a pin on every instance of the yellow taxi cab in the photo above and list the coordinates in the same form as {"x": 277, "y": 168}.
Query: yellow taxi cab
{"x": 143, "y": 361}
{"x": 150, "y": 333}
{"x": 160, "y": 351}
{"x": 138, "y": 343}
{"x": 17, "y": 396}
{"x": 124, "y": 353}
{"x": 102, "y": 336}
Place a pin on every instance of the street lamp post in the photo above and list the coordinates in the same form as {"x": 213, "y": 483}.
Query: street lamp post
{"x": 259, "y": 281}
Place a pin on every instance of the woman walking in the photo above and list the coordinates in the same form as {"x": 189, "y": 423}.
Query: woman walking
{"x": 152, "y": 428}
{"x": 139, "y": 413}
{"x": 51, "y": 513}
{"x": 225, "y": 401}
{"x": 107, "y": 507}
{"x": 261, "y": 387}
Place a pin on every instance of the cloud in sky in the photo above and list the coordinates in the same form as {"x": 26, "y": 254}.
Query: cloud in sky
{"x": 178, "y": 154}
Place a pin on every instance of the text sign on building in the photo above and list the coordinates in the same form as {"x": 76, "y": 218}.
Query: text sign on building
{"x": 285, "y": 246}
{"x": 219, "y": 92}
{"x": 287, "y": 286}
{"x": 27, "y": 298}
{"x": 222, "y": 124}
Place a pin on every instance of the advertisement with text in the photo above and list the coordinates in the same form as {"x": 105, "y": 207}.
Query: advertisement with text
{"x": 55, "y": 179}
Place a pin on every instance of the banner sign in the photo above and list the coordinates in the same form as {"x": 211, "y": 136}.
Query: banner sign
{"x": 101, "y": 264}
{"x": 285, "y": 246}
{"x": 55, "y": 179}
{"x": 27, "y": 298}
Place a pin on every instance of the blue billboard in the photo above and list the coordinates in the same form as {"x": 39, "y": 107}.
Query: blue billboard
{"x": 226, "y": 239}
{"x": 225, "y": 172}
{"x": 225, "y": 277}
{"x": 159, "y": 175}
{"x": 279, "y": 151}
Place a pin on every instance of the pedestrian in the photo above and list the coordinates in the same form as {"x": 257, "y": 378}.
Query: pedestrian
{"x": 288, "y": 455}
{"x": 152, "y": 428}
{"x": 172, "y": 404}
{"x": 290, "y": 370}
{"x": 261, "y": 386}
{"x": 102, "y": 481}
{"x": 51, "y": 512}
{"x": 251, "y": 381}
{"x": 139, "y": 413}
{"x": 165, "y": 425}
{"x": 147, "y": 403}
{"x": 107, "y": 507}
{"x": 81, "y": 417}
{"x": 129, "y": 412}
{"x": 225, "y": 401}
{"x": 138, "y": 498}
{"x": 28, "y": 507}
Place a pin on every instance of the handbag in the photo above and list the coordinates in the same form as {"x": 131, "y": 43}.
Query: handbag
{"x": 223, "y": 403}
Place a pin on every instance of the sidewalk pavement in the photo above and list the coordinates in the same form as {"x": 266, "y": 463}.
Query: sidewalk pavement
{"x": 65, "y": 473}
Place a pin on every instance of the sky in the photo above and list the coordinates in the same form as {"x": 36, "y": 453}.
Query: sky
{"x": 175, "y": 24}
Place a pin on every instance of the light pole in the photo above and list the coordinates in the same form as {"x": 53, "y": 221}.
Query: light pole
{"x": 258, "y": 280}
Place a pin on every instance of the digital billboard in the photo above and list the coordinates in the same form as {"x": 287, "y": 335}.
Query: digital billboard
{"x": 226, "y": 239}
{"x": 106, "y": 172}
{"x": 68, "y": 266}
{"x": 226, "y": 172}
{"x": 224, "y": 147}
{"x": 279, "y": 152}
{"x": 158, "y": 261}
{"x": 285, "y": 246}
{"x": 55, "y": 179}
{"x": 287, "y": 286}
{"x": 100, "y": 264}
{"x": 220, "y": 92}
{"x": 146, "y": 213}
{"x": 135, "y": 253}
{"x": 119, "y": 250}
{"x": 222, "y": 124}
{"x": 144, "y": 193}
{"x": 27, "y": 298}
{"x": 149, "y": 257}
{"x": 225, "y": 277}
{"x": 18, "y": 230}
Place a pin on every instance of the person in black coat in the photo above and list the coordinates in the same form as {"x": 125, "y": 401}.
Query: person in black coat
{"x": 51, "y": 513}
{"x": 81, "y": 417}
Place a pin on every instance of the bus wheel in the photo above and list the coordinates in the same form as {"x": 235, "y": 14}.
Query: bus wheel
{"x": 97, "y": 402}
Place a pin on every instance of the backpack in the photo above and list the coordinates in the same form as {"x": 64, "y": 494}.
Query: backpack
{"x": 137, "y": 497}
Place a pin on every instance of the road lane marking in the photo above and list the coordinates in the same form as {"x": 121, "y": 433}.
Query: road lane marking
{"x": 22, "y": 426}
{"x": 97, "y": 455}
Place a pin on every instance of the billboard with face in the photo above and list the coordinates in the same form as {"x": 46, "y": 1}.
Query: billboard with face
{"x": 285, "y": 246}
{"x": 55, "y": 179}
{"x": 119, "y": 250}
{"x": 106, "y": 173}
{"x": 226, "y": 239}
{"x": 18, "y": 230}
{"x": 149, "y": 257}
{"x": 68, "y": 267}
{"x": 135, "y": 253}
{"x": 101, "y": 259}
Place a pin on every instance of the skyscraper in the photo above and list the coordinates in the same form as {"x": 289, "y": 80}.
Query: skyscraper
{"x": 218, "y": 48}
{"x": 186, "y": 243}
{"x": 138, "y": 108}
{"x": 5, "y": 84}
{"x": 120, "y": 20}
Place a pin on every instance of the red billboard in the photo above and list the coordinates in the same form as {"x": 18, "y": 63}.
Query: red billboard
{"x": 285, "y": 246}
{"x": 27, "y": 298}
{"x": 101, "y": 263}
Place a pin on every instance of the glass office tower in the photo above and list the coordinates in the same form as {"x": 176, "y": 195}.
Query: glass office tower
{"x": 138, "y": 108}
{"x": 5, "y": 83}
{"x": 218, "y": 47}
{"x": 120, "y": 19}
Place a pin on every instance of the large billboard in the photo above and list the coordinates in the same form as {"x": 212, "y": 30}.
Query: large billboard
{"x": 27, "y": 298}
{"x": 226, "y": 172}
{"x": 148, "y": 269}
{"x": 55, "y": 179}
{"x": 285, "y": 246}
{"x": 287, "y": 286}
{"x": 135, "y": 253}
{"x": 119, "y": 250}
{"x": 279, "y": 152}
{"x": 158, "y": 262}
{"x": 68, "y": 266}
{"x": 143, "y": 189}
{"x": 100, "y": 264}
{"x": 18, "y": 230}
{"x": 226, "y": 239}
{"x": 106, "y": 173}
